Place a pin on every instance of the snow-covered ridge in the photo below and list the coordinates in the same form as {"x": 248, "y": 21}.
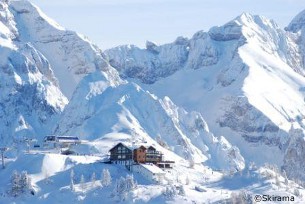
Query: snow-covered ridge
{"x": 71, "y": 55}
{"x": 204, "y": 49}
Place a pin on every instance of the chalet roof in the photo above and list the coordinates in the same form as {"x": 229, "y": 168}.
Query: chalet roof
{"x": 153, "y": 168}
{"x": 151, "y": 148}
{"x": 119, "y": 144}
{"x": 133, "y": 147}
{"x": 141, "y": 147}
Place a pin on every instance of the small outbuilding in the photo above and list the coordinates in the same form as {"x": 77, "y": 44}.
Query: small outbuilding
{"x": 60, "y": 141}
{"x": 150, "y": 171}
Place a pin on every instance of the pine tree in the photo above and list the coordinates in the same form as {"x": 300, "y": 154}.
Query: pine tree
{"x": 106, "y": 177}
{"x": 277, "y": 181}
{"x": 191, "y": 163}
{"x": 93, "y": 179}
{"x": 130, "y": 183}
{"x": 15, "y": 182}
{"x": 242, "y": 197}
{"x": 181, "y": 190}
{"x": 170, "y": 191}
{"x": 120, "y": 189}
{"x": 47, "y": 178}
{"x": 82, "y": 182}
{"x": 285, "y": 177}
{"x": 72, "y": 180}
{"x": 296, "y": 192}
{"x": 187, "y": 180}
{"x": 24, "y": 182}
{"x": 252, "y": 166}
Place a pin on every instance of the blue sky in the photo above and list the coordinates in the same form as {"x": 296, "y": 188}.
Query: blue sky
{"x": 110, "y": 23}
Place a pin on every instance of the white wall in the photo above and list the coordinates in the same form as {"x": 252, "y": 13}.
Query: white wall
{"x": 147, "y": 174}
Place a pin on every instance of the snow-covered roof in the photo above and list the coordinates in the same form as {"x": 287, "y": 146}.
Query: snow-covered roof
{"x": 54, "y": 137}
{"x": 67, "y": 138}
{"x": 153, "y": 168}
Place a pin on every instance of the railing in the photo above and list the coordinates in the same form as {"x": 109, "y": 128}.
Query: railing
{"x": 154, "y": 153}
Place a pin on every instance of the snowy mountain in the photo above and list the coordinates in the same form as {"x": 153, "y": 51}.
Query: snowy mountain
{"x": 219, "y": 105}
{"x": 30, "y": 97}
{"x": 246, "y": 78}
{"x": 41, "y": 66}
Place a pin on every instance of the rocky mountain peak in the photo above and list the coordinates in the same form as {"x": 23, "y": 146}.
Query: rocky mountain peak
{"x": 297, "y": 23}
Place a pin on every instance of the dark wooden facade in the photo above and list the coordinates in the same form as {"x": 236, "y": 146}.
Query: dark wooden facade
{"x": 120, "y": 152}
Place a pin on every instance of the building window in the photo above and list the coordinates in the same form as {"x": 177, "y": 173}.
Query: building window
{"x": 122, "y": 150}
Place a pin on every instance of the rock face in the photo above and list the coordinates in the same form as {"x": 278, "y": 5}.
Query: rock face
{"x": 294, "y": 157}
{"x": 297, "y": 23}
{"x": 297, "y": 28}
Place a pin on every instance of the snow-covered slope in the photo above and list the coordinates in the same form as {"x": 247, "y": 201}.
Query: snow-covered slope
{"x": 105, "y": 112}
{"x": 245, "y": 78}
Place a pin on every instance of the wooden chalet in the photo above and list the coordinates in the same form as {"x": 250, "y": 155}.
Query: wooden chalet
{"x": 120, "y": 153}
{"x": 147, "y": 155}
